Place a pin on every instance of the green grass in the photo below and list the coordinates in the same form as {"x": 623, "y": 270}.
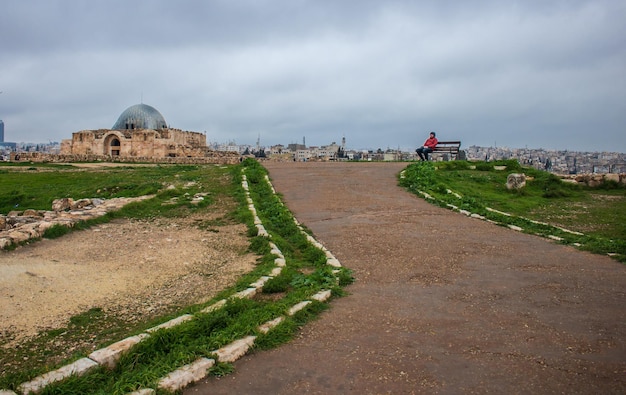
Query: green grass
{"x": 167, "y": 350}
{"x": 37, "y": 188}
{"x": 599, "y": 213}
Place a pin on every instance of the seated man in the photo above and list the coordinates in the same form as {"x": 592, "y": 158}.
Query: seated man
{"x": 428, "y": 147}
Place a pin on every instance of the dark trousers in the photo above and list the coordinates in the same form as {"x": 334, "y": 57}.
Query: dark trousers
{"x": 423, "y": 152}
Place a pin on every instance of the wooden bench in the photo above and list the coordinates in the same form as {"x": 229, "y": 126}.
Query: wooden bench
{"x": 450, "y": 147}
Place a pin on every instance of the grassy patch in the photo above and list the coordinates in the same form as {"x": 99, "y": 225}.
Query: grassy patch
{"x": 20, "y": 190}
{"x": 179, "y": 190}
{"x": 542, "y": 207}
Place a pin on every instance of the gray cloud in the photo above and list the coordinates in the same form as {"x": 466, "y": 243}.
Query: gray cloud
{"x": 382, "y": 74}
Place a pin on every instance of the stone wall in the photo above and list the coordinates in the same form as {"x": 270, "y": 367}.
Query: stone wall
{"x": 21, "y": 226}
{"x": 137, "y": 143}
{"x": 210, "y": 157}
{"x": 594, "y": 180}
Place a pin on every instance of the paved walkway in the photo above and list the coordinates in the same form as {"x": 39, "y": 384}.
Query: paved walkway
{"x": 442, "y": 303}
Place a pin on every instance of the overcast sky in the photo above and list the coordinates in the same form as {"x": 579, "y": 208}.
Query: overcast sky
{"x": 382, "y": 74}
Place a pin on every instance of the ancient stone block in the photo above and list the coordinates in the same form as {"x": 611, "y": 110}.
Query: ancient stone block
{"x": 62, "y": 204}
{"x": 516, "y": 181}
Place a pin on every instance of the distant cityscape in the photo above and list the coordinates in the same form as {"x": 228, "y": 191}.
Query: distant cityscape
{"x": 556, "y": 161}
{"x": 137, "y": 118}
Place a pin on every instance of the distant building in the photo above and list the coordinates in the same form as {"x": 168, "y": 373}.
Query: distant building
{"x": 140, "y": 131}
{"x": 5, "y": 145}
{"x": 295, "y": 147}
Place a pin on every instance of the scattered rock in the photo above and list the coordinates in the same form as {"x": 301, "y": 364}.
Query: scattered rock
{"x": 82, "y": 203}
{"x": 63, "y": 204}
{"x": 31, "y": 213}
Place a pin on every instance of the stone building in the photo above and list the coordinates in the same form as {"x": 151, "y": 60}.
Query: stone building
{"x": 140, "y": 131}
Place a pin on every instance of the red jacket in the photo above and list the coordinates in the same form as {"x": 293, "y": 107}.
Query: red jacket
{"x": 431, "y": 142}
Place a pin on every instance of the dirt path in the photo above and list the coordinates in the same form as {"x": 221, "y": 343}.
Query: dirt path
{"x": 442, "y": 303}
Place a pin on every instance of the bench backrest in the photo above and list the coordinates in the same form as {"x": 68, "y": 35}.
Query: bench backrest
{"x": 452, "y": 147}
{"x": 446, "y": 143}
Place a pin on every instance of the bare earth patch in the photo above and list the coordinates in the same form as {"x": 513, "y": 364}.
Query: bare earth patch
{"x": 132, "y": 269}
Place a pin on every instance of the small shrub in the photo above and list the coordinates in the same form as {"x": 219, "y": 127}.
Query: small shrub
{"x": 56, "y": 231}
{"x": 320, "y": 278}
{"x": 259, "y": 245}
{"x": 609, "y": 185}
{"x": 512, "y": 165}
{"x": 221, "y": 369}
{"x": 554, "y": 193}
{"x": 86, "y": 317}
{"x": 453, "y": 165}
{"x": 484, "y": 166}
{"x": 314, "y": 255}
{"x": 553, "y": 187}
{"x": 345, "y": 277}
{"x": 280, "y": 283}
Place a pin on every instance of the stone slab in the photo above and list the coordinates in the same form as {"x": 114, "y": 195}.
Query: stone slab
{"x": 298, "y": 307}
{"x": 109, "y": 355}
{"x": 186, "y": 375}
{"x": 266, "y": 327}
{"x": 246, "y": 293}
{"x": 171, "y": 323}
{"x": 322, "y": 296}
{"x": 235, "y": 350}
{"x": 215, "y": 306}
{"x": 78, "y": 368}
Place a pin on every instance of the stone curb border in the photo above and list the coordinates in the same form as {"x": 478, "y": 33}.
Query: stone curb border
{"x": 478, "y": 216}
{"x": 199, "y": 369}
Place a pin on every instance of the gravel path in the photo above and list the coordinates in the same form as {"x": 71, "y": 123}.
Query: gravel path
{"x": 442, "y": 303}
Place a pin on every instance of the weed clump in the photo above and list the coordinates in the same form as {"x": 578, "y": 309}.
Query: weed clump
{"x": 56, "y": 231}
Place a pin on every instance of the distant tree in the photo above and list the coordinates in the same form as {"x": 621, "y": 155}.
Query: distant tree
{"x": 548, "y": 165}
{"x": 341, "y": 153}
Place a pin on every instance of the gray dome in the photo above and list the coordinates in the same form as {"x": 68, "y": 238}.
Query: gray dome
{"x": 140, "y": 116}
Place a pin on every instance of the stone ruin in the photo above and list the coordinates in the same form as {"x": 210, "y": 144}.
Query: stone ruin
{"x": 210, "y": 157}
{"x": 518, "y": 180}
{"x": 594, "y": 180}
{"x": 20, "y": 226}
